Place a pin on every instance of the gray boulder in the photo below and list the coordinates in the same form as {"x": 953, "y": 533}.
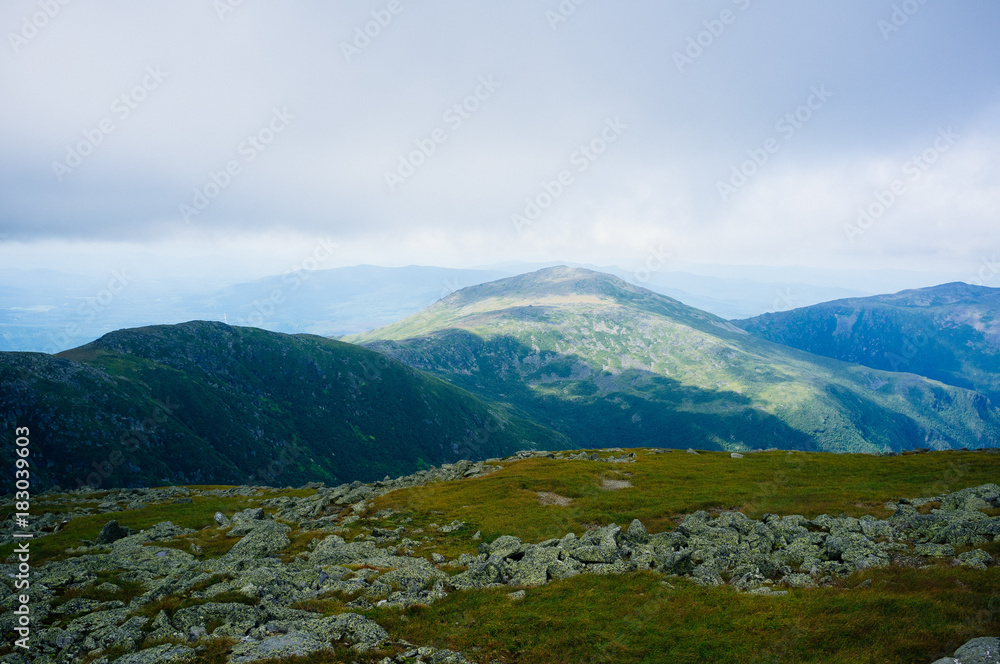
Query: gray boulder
{"x": 166, "y": 653}
{"x": 595, "y": 554}
{"x": 263, "y": 540}
{"x": 278, "y": 646}
{"x": 975, "y": 558}
{"x": 479, "y": 575}
{"x": 637, "y": 532}
{"x": 112, "y": 532}
{"x": 985, "y": 650}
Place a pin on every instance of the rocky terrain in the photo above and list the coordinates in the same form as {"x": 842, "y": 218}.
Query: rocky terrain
{"x": 156, "y": 596}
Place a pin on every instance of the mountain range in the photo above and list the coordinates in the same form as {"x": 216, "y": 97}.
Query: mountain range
{"x": 559, "y": 358}
{"x": 49, "y": 311}
{"x": 609, "y": 363}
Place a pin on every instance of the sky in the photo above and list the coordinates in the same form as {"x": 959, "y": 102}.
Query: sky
{"x": 230, "y": 139}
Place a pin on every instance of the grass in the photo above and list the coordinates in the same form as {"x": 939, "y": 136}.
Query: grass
{"x": 198, "y": 514}
{"x": 898, "y": 614}
{"x": 905, "y": 616}
{"x": 667, "y": 486}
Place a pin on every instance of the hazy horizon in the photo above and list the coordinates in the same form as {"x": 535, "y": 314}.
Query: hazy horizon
{"x": 231, "y": 140}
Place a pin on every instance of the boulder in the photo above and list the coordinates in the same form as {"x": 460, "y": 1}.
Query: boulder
{"x": 479, "y": 575}
{"x": 595, "y": 554}
{"x": 112, "y": 532}
{"x": 164, "y": 654}
{"x": 263, "y": 540}
{"x": 636, "y": 532}
{"x": 985, "y": 650}
{"x": 278, "y": 646}
{"x": 975, "y": 558}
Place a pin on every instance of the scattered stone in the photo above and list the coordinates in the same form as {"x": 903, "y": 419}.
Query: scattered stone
{"x": 112, "y": 532}
{"x": 735, "y": 455}
{"x": 976, "y": 558}
{"x": 516, "y": 595}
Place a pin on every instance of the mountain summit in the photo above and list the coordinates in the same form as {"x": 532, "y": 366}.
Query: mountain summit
{"x": 610, "y": 363}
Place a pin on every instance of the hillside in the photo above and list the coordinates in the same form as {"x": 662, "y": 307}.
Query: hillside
{"x": 606, "y": 557}
{"x": 209, "y": 403}
{"x": 609, "y": 363}
{"x": 950, "y": 333}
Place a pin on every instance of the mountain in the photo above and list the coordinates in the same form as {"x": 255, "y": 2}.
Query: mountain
{"x": 207, "y": 403}
{"x": 950, "y": 333}
{"x": 608, "y": 363}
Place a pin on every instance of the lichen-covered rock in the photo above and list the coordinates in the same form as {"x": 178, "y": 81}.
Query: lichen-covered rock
{"x": 980, "y": 497}
{"x": 503, "y": 546}
{"x": 637, "y": 532}
{"x": 479, "y": 575}
{"x": 595, "y": 554}
{"x": 984, "y": 650}
{"x": 278, "y": 646}
{"x": 232, "y": 618}
{"x": 365, "y": 634}
{"x": 263, "y": 540}
{"x": 976, "y": 558}
{"x": 929, "y": 549}
{"x": 165, "y": 653}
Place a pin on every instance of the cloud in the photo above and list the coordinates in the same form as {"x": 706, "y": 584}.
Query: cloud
{"x": 204, "y": 129}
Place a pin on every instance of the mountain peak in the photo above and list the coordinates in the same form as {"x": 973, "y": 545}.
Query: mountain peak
{"x": 552, "y": 283}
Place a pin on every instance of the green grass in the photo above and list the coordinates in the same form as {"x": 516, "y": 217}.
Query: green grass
{"x": 905, "y": 616}
{"x": 197, "y": 514}
{"x": 898, "y": 615}
{"x": 667, "y": 486}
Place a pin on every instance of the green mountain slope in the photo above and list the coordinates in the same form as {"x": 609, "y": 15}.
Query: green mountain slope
{"x": 208, "y": 403}
{"x": 609, "y": 363}
{"x": 950, "y": 333}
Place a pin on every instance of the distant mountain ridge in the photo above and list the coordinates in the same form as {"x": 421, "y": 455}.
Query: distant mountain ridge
{"x": 206, "y": 403}
{"x": 949, "y": 332}
{"x": 609, "y": 363}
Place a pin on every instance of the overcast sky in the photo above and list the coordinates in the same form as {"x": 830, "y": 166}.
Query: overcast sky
{"x": 723, "y": 131}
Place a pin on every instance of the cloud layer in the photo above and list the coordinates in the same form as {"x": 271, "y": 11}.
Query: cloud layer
{"x": 419, "y": 132}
